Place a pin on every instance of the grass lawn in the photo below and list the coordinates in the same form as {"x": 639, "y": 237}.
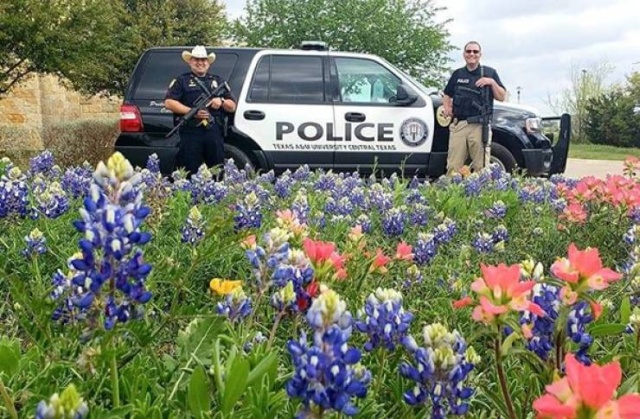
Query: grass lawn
{"x": 601, "y": 152}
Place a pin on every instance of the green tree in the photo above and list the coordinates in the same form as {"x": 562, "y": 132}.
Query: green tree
{"x": 402, "y": 31}
{"x": 93, "y": 45}
{"x": 610, "y": 119}
{"x": 56, "y": 37}
{"x": 586, "y": 83}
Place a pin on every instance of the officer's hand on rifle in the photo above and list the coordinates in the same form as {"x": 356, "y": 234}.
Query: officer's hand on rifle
{"x": 485, "y": 81}
{"x": 215, "y": 103}
{"x": 203, "y": 114}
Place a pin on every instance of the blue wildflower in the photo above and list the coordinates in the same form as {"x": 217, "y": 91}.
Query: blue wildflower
{"x": 248, "y": 213}
{"x": 394, "y": 221}
{"x": 36, "y": 243}
{"x": 107, "y": 277}
{"x": 439, "y": 370}
{"x": 68, "y": 405}
{"x": 327, "y": 371}
{"x": 193, "y": 229}
{"x": 425, "y": 249}
{"x": 236, "y": 305}
{"x": 385, "y": 321}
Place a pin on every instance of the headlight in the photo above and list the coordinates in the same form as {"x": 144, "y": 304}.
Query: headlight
{"x": 532, "y": 125}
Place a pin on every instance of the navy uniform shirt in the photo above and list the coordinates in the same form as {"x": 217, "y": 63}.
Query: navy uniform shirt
{"x": 462, "y": 77}
{"x": 186, "y": 90}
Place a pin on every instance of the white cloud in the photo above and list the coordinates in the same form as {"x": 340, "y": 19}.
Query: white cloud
{"x": 535, "y": 44}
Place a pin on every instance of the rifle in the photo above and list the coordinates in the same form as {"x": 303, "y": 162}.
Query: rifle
{"x": 201, "y": 103}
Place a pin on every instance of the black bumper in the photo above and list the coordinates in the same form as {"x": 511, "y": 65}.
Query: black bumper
{"x": 537, "y": 162}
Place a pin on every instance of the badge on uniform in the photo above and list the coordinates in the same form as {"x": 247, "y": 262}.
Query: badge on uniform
{"x": 214, "y": 84}
{"x": 192, "y": 83}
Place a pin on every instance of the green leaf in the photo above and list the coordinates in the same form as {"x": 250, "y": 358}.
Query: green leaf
{"x": 268, "y": 365}
{"x": 625, "y": 310}
{"x": 9, "y": 357}
{"x": 629, "y": 385}
{"x": 198, "y": 393}
{"x": 508, "y": 343}
{"x": 610, "y": 329}
{"x": 235, "y": 384}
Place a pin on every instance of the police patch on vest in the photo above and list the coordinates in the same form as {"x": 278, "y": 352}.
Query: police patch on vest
{"x": 414, "y": 132}
{"x": 214, "y": 84}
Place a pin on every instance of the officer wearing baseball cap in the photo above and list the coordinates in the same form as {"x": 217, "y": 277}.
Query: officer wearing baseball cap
{"x": 201, "y": 139}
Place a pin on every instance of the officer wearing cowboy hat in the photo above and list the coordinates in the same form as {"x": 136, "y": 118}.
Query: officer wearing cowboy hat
{"x": 201, "y": 139}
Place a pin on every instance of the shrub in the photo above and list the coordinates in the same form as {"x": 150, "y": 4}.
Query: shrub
{"x": 74, "y": 142}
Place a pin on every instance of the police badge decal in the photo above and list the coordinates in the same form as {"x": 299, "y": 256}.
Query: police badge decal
{"x": 414, "y": 132}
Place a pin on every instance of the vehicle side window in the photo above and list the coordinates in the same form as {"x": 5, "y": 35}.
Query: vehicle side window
{"x": 365, "y": 81}
{"x": 288, "y": 79}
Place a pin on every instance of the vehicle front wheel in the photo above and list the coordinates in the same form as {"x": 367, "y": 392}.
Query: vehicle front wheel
{"x": 240, "y": 158}
{"x": 503, "y": 157}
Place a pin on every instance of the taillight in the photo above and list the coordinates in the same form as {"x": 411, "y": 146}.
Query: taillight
{"x": 130, "y": 119}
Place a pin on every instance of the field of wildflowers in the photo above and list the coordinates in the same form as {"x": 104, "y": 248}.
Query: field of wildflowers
{"x": 315, "y": 294}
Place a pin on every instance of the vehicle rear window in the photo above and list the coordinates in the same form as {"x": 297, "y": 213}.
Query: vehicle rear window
{"x": 163, "y": 66}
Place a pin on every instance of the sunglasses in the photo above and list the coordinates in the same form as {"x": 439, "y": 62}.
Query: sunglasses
{"x": 473, "y": 51}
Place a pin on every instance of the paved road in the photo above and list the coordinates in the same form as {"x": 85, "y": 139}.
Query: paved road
{"x": 578, "y": 168}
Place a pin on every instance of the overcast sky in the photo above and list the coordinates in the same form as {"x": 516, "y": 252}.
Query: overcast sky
{"x": 536, "y": 44}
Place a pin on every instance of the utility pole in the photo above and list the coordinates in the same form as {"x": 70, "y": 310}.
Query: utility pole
{"x": 518, "y": 89}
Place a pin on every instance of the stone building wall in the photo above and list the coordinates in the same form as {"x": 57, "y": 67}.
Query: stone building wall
{"x": 41, "y": 100}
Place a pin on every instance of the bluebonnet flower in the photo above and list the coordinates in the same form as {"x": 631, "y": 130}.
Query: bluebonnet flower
{"x": 385, "y": 321}
{"x": 236, "y": 305}
{"x": 444, "y": 232}
{"x": 394, "y": 220}
{"x": 364, "y": 222}
{"x": 419, "y": 214}
{"x": 14, "y": 193}
{"x": 36, "y": 243}
{"x": 541, "y": 329}
{"x": 68, "y": 405}
{"x": 266, "y": 259}
{"x": 500, "y": 234}
{"x": 283, "y": 185}
{"x": 153, "y": 163}
{"x": 325, "y": 182}
{"x": 248, "y": 213}
{"x": 413, "y": 276}
{"x": 302, "y": 173}
{"x": 108, "y": 275}
{"x": 483, "y": 242}
{"x": 414, "y": 197}
{"x": 300, "y": 206}
{"x": 42, "y": 164}
{"x": 473, "y": 185}
{"x": 558, "y": 205}
{"x": 76, "y": 181}
{"x": 50, "y": 199}
{"x": 232, "y": 175}
{"x": 327, "y": 371}
{"x": 379, "y": 198}
{"x": 414, "y": 183}
{"x": 358, "y": 198}
{"x": 425, "y": 249}
{"x": 439, "y": 370}
{"x": 579, "y": 318}
{"x": 193, "y": 228}
{"x": 497, "y": 211}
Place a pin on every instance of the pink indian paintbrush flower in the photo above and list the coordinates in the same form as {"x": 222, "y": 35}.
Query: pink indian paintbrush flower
{"x": 404, "y": 251}
{"x": 379, "y": 263}
{"x": 582, "y": 270}
{"x": 500, "y": 291}
{"x": 324, "y": 257}
{"x": 587, "y": 392}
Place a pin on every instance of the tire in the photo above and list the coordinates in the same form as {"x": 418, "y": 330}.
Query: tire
{"x": 240, "y": 158}
{"x": 502, "y": 156}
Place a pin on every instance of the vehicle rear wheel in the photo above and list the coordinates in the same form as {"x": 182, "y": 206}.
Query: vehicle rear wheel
{"x": 503, "y": 157}
{"x": 240, "y": 158}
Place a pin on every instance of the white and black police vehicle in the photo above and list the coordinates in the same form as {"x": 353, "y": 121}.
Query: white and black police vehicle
{"x": 326, "y": 109}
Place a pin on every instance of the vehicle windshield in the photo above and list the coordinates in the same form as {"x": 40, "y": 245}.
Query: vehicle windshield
{"x": 414, "y": 83}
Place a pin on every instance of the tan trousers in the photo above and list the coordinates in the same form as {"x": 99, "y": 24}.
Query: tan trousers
{"x": 466, "y": 140}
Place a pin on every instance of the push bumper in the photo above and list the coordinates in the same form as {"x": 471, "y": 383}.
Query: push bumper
{"x": 538, "y": 161}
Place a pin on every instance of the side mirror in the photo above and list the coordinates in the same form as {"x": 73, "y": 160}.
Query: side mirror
{"x": 403, "y": 97}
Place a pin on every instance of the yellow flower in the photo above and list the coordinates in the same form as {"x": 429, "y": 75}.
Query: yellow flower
{"x": 224, "y": 286}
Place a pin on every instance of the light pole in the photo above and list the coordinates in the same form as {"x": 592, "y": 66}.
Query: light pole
{"x": 518, "y": 89}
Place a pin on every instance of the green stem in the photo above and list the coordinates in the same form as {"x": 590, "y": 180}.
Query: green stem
{"x": 274, "y": 329}
{"x": 115, "y": 385}
{"x": 503, "y": 380}
{"x": 11, "y": 409}
{"x": 381, "y": 363}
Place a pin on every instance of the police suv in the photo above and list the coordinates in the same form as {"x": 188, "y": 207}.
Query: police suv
{"x": 326, "y": 109}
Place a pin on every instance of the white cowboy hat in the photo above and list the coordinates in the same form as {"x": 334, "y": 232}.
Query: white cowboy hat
{"x": 198, "y": 52}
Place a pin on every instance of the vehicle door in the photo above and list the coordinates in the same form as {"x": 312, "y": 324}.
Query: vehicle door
{"x": 382, "y": 122}
{"x": 286, "y": 109}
